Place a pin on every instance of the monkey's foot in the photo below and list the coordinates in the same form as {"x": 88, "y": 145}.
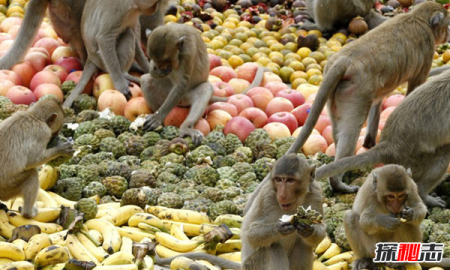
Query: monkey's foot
{"x": 431, "y": 202}
{"x": 27, "y": 214}
{"x": 338, "y": 186}
{"x": 153, "y": 122}
{"x": 196, "y": 135}
{"x": 124, "y": 89}
{"x": 364, "y": 264}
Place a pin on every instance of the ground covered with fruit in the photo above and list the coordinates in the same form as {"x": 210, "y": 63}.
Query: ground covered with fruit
{"x": 127, "y": 194}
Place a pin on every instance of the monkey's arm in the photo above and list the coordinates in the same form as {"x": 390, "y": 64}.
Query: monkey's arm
{"x": 373, "y": 223}
{"x": 419, "y": 210}
{"x": 59, "y": 150}
{"x": 262, "y": 234}
{"x": 317, "y": 236}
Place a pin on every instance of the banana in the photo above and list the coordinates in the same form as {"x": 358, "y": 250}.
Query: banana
{"x": 148, "y": 219}
{"x": 98, "y": 252}
{"x": 111, "y": 236}
{"x": 58, "y": 238}
{"x": 58, "y": 266}
{"x": 51, "y": 255}
{"x": 179, "y": 215}
{"x": 186, "y": 263}
{"x": 232, "y": 221}
{"x": 173, "y": 243}
{"x": 6, "y": 228}
{"x": 236, "y": 233}
{"x": 11, "y": 251}
{"x": 22, "y": 244}
{"x": 135, "y": 234}
{"x": 106, "y": 213}
{"x": 5, "y": 261}
{"x": 79, "y": 251}
{"x": 96, "y": 235}
{"x": 232, "y": 256}
{"x": 346, "y": 256}
{"x": 319, "y": 266}
{"x": 149, "y": 264}
{"x": 206, "y": 228}
{"x": 178, "y": 232}
{"x": 60, "y": 200}
{"x": 17, "y": 220}
{"x": 189, "y": 229}
{"x": 164, "y": 252}
{"x": 332, "y": 251}
{"x": 22, "y": 265}
{"x": 44, "y": 197}
{"x": 413, "y": 266}
{"x": 123, "y": 214}
{"x": 208, "y": 264}
{"x": 231, "y": 245}
{"x": 436, "y": 268}
{"x": 118, "y": 258}
{"x": 17, "y": 204}
{"x": 48, "y": 176}
{"x": 338, "y": 266}
{"x": 323, "y": 246}
{"x": 109, "y": 205}
{"x": 47, "y": 214}
{"x": 117, "y": 267}
{"x": 146, "y": 227}
{"x": 127, "y": 245}
{"x": 37, "y": 243}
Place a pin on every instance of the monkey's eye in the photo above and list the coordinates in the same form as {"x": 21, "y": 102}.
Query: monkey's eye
{"x": 402, "y": 196}
{"x": 391, "y": 197}
{"x": 277, "y": 179}
{"x": 290, "y": 180}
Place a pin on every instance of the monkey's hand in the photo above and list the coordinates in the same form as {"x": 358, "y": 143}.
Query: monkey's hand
{"x": 285, "y": 228}
{"x": 407, "y": 213}
{"x": 391, "y": 223}
{"x": 124, "y": 88}
{"x": 305, "y": 230}
{"x": 65, "y": 148}
{"x": 153, "y": 122}
{"x": 195, "y": 134}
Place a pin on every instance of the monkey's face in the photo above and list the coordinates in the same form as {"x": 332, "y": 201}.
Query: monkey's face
{"x": 161, "y": 68}
{"x": 289, "y": 191}
{"x": 395, "y": 201}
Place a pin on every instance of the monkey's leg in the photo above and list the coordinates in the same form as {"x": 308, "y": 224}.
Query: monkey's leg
{"x": 29, "y": 187}
{"x": 140, "y": 57}
{"x": 301, "y": 257}
{"x": 199, "y": 98}
{"x": 414, "y": 82}
{"x": 272, "y": 257}
{"x": 372, "y": 123}
{"x": 155, "y": 90}
{"x": 77, "y": 45}
{"x": 88, "y": 72}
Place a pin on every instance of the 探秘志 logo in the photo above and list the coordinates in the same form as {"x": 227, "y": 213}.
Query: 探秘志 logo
{"x": 408, "y": 252}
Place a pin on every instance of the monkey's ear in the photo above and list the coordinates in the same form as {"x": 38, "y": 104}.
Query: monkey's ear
{"x": 180, "y": 42}
{"x": 51, "y": 118}
{"x": 436, "y": 18}
{"x": 269, "y": 165}
{"x": 409, "y": 172}
{"x": 148, "y": 32}
{"x": 375, "y": 179}
{"x": 312, "y": 172}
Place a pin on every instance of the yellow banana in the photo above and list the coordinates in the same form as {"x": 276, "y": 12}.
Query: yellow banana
{"x": 232, "y": 256}
{"x": 173, "y": 243}
{"x": 22, "y": 244}
{"x": 37, "y": 243}
{"x": 109, "y": 205}
{"x": 111, "y": 236}
{"x": 232, "y": 221}
{"x": 96, "y": 235}
{"x": 332, "y": 251}
{"x": 236, "y": 233}
{"x": 319, "y": 266}
{"x": 5, "y": 261}
{"x": 58, "y": 238}
{"x": 209, "y": 265}
{"x": 206, "y": 228}
{"x": 323, "y": 246}
{"x": 48, "y": 176}
{"x": 127, "y": 245}
{"x": 18, "y": 220}
{"x": 179, "y": 215}
{"x": 98, "y": 252}
{"x": 17, "y": 204}
{"x": 189, "y": 229}
{"x": 22, "y": 265}
{"x": 60, "y": 200}
{"x": 124, "y": 213}
{"x": 118, "y": 258}
{"x": 436, "y": 268}
{"x": 11, "y": 251}
{"x": 47, "y": 214}
{"x": 117, "y": 267}
{"x": 134, "y": 234}
{"x": 231, "y": 245}
{"x": 413, "y": 266}
{"x": 186, "y": 263}
{"x": 106, "y": 213}
{"x": 338, "y": 266}
{"x": 164, "y": 252}
{"x": 58, "y": 266}
{"x": 6, "y": 228}
{"x": 79, "y": 251}
{"x": 346, "y": 256}
{"x": 149, "y": 219}
{"x": 149, "y": 228}
{"x": 176, "y": 231}
{"x": 51, "y": 255}
{"x": 148, "y": 263}
{"x": 44, "y": 197}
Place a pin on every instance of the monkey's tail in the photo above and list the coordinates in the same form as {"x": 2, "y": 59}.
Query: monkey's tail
{"x": 201, "y": 256}
{"x": 328, "y": 86}
{"x": 371, "y": 157}
{"x": 30, "y": 26}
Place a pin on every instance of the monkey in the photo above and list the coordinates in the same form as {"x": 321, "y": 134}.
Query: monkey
{"x": 353, "y": 95}
{"x": 179, "y": 70}
{"x": 438, "y": 70}
{"x": 329, "y": 15}
{"x": 388, "y": 196}
{"x": 24, "y": 137}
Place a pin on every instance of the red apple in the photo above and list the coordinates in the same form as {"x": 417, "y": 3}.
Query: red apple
{"x": 276, "y": 87}
{"x": 135, "y": 90}
{"x": 21, "y": 95}
{"x": 70, "y": 63}
{"x": 224, "y": 106}
{"x": 58, "y": 70}
{"x": 114, "y": 100}
{"x": 14, "y": 30}
{"x": 202, "y": 126}
{"x": 240, "y": 126}
{"x": 135, "y": 107}
{"x": 222, "y": 89}
{"x": 176, "y": 116}
{"x": 361, "y": 150}
{"x": 62, "y": 51}
{"x": 224, "y": 73}
{"x": 218, "y": 117}
{"x": 331, "y": 150}
{"x": 26, "y": 72}
{"x": 40, "y": 50}
{"x": 6, "y": 45}
{"x": 286, "y": 118}
{"x": 240, "y": 101}
{"x": 278, "y": 104}
{"x": 7, "y": 23}
{"x": 277, "y": 130}
{"x": 259, "y": 90}
{"x": 295, "y": 97}
{"x": 5, "y": 36}
{"x": 5, "y": 85}
{"x": 47, "y": 43}
{"x": 213, "y": 79}
{"x": 247, "y": 71}
{"x": 310, "y": 98}
{"x": 298, "y": 130}
{"x": 261, "y": 100}
{"x": 322, "y": 123}
{"x": 38, "y": 60}
{"x": 48, "y": 88}
{"x": 327, "y": 134}
{"x": 301, "y": 113}
{"x": 214, "y": 61}
{"x": 102, "y": 83}
{"x": 359, "y": 143}
{"x": 239, "y": 85}
{"x": 270, "y": 77}
{"x": 257, "y": 116}
{"x": 307, "y": 89}
{"x": 44, "y": 76}
{"x": 393, "y": 101}
{"x": 10, "y": 75}
{"x": 76, "y": 76}
{"x": 315, "y": 144}
{"x": 385, "y": 114}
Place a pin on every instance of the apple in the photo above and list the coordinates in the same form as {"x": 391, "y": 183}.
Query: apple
{"x": 44, "y": 76}
{"x": 14, "y": 30}
{"x": 21, "y": 95}
{"x": 6, "y": 45}
{"x": 218, "y": 117}
{"x": 286, "y": 118}
{"x": 222, "y": 89}
{"x": 276, "y": 87}
{"x": 364, "y": 133}
{"x": 327, "y": 134}
{"x": 214, "y": 61}
{"x": 239, "y": 85}
{"x": 247, "y": 71}
{"x": 26, "y": 72}
{"x": 76, "y": 76}
{"x": 224, "y": 73}
{"x": 257, "y": 116}
{"x": 322, "y": 123}
{"x": 176, "y": 116}
{"x": 7, "y": 23}
{"x": 62, "y": 51}
{"x": 278, "y": 104}
{"x": 202, "y": 126}
{"x": 270, "y": 77}
{"x": 135, "y": 90}
{"x": 48, "y": 88}
{"x": 385, "y": 114}
{"x": 314, "y": 144}
{"x": 70, "y": 63}
{"x": 381, "y": 124}
{"x": 295, "y": 97}
{"x": 224, "y": 106}
{"x": 135, "y": 107}
{"x": 102, "y": 83}
{"x": 213, "y": 79}
{"x": 259, "y": 90}
{"x": 331, "y": 150}
{"x": 393, "y": 101}
{"x": 277, "y": 130}
{"x": 40, "y": 50}
{"x": 47, "y": 43}
{"x": 58, "y": 70}
{"x": 10, "y": 75}
{"x": 5, "y": 85}
{"x": 5, "y": 36}
{"x": 240, "y": 126}
{"x": 240, "y": 101}
{"x": 301, "y": 113}
{"x": 359, "y": 143}
{"x": 307, "y": 89}
{"x": 114, "y": 100}
{"x": 298, "y": 130}
{"x": 361, "y": 150}
{"x": 260, "y": 101}
{"x": 310, "y": 98}
{"x": 38, "y": 60}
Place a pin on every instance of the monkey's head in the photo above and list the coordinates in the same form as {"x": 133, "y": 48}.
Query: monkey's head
{"x": 51, "y": 112}
{"x": 392, "y": 185}
{"x": 437, "y": 16}
{"x": 291, "y": 177}
{"x": 147, "y": 7}
{"x": 163, "y": 47}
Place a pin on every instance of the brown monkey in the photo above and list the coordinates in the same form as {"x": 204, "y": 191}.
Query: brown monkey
{"x": 328, "y": 15}
{"x": 24, "y": 137}
{"x": 353, "y": 95}
{"x": 416, "y": 136}
{"x": 179, "y": 70}
{"x": 387, "y": 196}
